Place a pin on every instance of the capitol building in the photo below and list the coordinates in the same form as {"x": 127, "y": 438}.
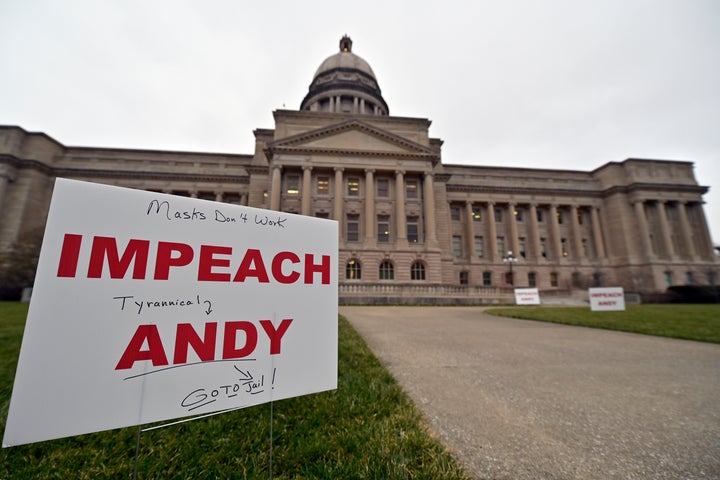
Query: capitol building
{"x": 413, "y": 228}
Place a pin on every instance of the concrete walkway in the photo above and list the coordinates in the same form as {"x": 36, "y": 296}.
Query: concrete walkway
{"x": 516, "y": 399}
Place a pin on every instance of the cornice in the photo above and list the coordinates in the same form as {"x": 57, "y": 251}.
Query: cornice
{"x": 104, "y": 173}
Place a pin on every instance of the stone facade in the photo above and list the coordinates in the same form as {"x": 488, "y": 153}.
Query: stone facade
{"x": 411, "y": 227}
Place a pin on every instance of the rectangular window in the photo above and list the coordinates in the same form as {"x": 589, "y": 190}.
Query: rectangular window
{"x": 411, "y": 189}
{"x": 487, "y": 279}
{"x": 580, "y": 217}
{"x": 539, "y": 215}
{"x": 688, "y": 278}
{"x": 413, "y": 229}
{"x": 454, "y": 212}
{"x": 498, "y": 215}
{"x": 383, "y": 228}
{"x": 464, "y": 277}
{"x": 668, "y": 279}
{"x": 585, "y": 248}
{"x": 477, "y": 214}
{"x": 559, "y": 217}
{"x": 543, "y": 247}
{"x": 353, "y": 187}
{"x": 322, "y": 214}
{"x": 292, "y": 184}
{"x": 553, "y": 279}
{"x": 352, "y": 226}
{"x": 457, "y": 245}
{"x": 323, "y": 185}
{"x": 521, "y": 246}
{"x": 501, "y": 247}
{"x": 564, "y": 246}
{"x": 479, "y": 246}
{"x": 532, "y": 281}
{"x": 383, "y": 187}
{"x": 518, "y": 214}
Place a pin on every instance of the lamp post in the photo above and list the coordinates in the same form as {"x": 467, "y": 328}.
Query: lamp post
{"x": 510, "y": 259}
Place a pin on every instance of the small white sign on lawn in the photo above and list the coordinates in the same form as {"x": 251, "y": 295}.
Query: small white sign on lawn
{"x": 527, "y": 296}
{"x": 607, "y": 298}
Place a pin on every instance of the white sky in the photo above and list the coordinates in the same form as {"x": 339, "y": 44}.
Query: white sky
{"x": 564, "y": 84}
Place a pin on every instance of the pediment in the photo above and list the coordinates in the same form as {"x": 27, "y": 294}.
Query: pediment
{"x": 353, "y": 136}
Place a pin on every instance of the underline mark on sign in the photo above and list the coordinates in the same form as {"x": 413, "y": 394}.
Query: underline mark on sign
{"x": 189, "y": 365}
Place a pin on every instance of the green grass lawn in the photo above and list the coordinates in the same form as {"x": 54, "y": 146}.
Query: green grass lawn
{"x": 367, "y": 428}
{"x": 690, "y": 322}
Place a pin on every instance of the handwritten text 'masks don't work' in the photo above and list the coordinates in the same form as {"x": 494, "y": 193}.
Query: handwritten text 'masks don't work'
{"x": 164, "y": 210}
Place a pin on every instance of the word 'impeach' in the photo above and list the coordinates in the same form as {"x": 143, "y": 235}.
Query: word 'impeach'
{"x": 213, "y": 262}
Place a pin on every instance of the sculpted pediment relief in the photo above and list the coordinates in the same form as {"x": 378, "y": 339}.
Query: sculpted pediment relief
{"x": 351, "y": 136}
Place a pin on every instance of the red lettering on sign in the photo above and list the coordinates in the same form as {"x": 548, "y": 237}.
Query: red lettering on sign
{"x": 277, "y": 269}
{"x": 208, "y": 261}
{"x": 212, "y": 259}
{"x": 252, "y": 265}
{"x": 275, "y": 336}
{"x": 230, "y": 349}
{"x": 67, "y": 266}
{"x": 106, "y": 248}
{"x": 323, "y": 268}
{"x": 133, "y": 352}
{"x": 187, "y": 336}
{"x": 165, "y": 258}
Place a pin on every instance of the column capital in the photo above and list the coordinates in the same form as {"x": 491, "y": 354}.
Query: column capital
{"x": 276, "y": 166}
{"x": 307, "y": 168}
{"x": 369, "y": 170}
{"x": 339, "y": 169}
{"x": 399, "y": 172}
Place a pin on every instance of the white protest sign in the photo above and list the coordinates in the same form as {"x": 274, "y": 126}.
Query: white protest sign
{"x": 149, "y": 307}
{"x": 527, "y": 296}
{"x": 607, "y": 298}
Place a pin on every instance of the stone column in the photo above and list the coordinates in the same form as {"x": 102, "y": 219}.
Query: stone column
{"x": 643, "y": 226}
{"x": 470, "y": 230}
{"x": 535, "y": 233}
{"x": 512, "y": 222}
{"x": 400, "y": 221}
{"x": 338, "y": 200}
{"x": 492, "y": 232}
{"x": 3, "y": 186}
{"x": 555, "y": 225}
{"x": 665, "y": 229}
{"x": 577, "y": 240}
{"x": 332, "y": 105}
{"x": 708, "y": 251}
{"x": 362, "y": 105}
{"x": 686, "y": 230}
{"x": 218, "y": 196}
{"x": 306, "y": 190}
{"x": 429, "y": 199}
{"x": 597, "y": 233}
{"x": 370, "y": 207}
{"x": 355, "y": 104}
{"x": 275, "y": 187}
{"x": 243, "y": 199}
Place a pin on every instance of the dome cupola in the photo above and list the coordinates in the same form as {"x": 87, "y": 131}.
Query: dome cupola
{"x": 345, "y": 83}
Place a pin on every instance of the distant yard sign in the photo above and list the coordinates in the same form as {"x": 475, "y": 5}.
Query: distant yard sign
{"x": 149, "y": 307}
{"x": 527, "y": 296}
{"x": 607, "y": 298}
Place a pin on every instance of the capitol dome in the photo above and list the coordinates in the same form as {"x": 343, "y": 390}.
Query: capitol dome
{"x": 345, "y": 83}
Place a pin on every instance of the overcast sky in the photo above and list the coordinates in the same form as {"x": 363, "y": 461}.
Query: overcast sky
{"x": 563, "y": 84}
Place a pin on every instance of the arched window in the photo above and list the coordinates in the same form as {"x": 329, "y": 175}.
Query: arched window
{"x": 353, "y": 270}
{"x": 417, "y": 271}
{"x": 387, "y": 271}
